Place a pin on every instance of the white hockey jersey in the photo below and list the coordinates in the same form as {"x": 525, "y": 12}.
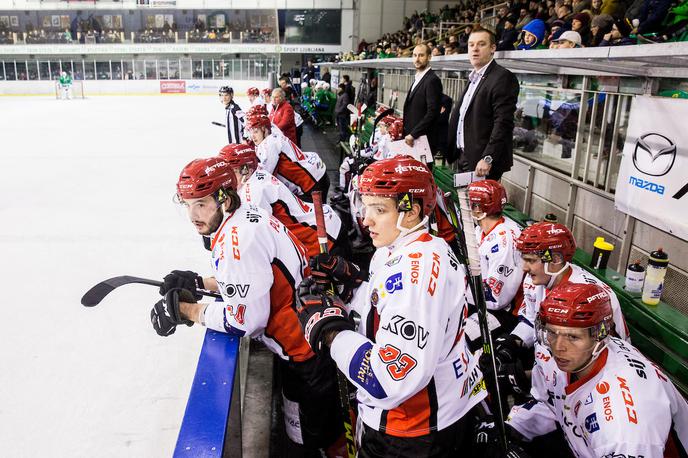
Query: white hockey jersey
{"x": 533, "y": 295}
{"x": 257, "y": 262}
{"x": 282, "y": 158}
{"x": 501, "y": 265}
{"x": 270, "y": 194}
{"x": 409, "y": 358}
{"x": 626, "y": 407}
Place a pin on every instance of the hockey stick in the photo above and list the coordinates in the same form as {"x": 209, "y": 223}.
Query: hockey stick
{"x": 342, "y": 382}
{"x": 96, "y": 294}
{"x": 470, "y": 248}
{"x": 215, "y": 123}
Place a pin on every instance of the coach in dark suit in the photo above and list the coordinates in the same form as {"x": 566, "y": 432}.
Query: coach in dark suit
{"x": 422, "y": 104}
{"x": 482, "y": 122}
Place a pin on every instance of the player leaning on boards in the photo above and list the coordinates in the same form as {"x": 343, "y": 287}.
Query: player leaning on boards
{"x": 607, "y": 397}
{"x": 416, "y": 379}
{"x": 546, "y": 250}
{"x": 259, "y": 187}
{"x": 256, "y": 264}
{"x": 302, "y": 172}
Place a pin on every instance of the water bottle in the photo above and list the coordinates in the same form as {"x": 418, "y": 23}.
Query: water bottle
{"x": 635, "y": 274}
{"x": 654, "y": 277}
{"x": 600, "y": 253}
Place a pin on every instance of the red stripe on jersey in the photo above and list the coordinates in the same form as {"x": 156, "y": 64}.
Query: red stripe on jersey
{"x": 283, "y": 325}
{"x": 411, "y": 418}
{"x": 294, "y": 172}
{"x": 305, "y": 233}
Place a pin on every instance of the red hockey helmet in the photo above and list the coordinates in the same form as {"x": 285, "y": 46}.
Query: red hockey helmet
{"x": 267, "y": 93}
{"x": 238, "y": 155}
{"x": 254, "y": 91}
{"x": 402, "y": 178}
{"x": 577, "y": 305}
{"x": 545, "y": 239}
{"x": 396, "y": 130}
{"x": 490, "y": 195}
{"x": 202, "y": 177}
{"x": 388, "y": 120}
{"x": 257, "y": 117}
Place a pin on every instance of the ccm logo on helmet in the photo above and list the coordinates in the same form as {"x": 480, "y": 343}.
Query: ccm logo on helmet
{"x": 557, "y": 310}
{"x": 409, "y": 168}
{"x": 416, "y": 190}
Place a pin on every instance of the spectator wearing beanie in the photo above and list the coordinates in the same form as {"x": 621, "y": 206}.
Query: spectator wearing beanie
{"x": 601, "y": 25}
{"x": 619, "y": 34}
{"x": 532, "y": 35}
{"x": 581, "y": 24}
{"x": 509, "y": 35}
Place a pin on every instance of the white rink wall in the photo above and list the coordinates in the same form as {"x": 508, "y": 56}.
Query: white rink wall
{"x": 130, "y": 87}
{"x": 87, "y": 194}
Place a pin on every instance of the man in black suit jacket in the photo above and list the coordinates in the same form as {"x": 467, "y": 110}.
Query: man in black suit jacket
{"x": 486, "y": 119}
{"x": 422, "y": 104}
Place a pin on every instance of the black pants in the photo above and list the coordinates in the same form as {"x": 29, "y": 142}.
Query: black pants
{"x": 446, "y": 442}
{"x": 343, "y": 124}
{"x": 312, "y": 386}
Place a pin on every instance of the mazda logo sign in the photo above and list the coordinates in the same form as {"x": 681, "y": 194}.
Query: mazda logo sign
{"x": 654, "y": 154}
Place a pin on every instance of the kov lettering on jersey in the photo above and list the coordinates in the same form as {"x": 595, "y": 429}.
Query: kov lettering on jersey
{"x": 400, "y": 326}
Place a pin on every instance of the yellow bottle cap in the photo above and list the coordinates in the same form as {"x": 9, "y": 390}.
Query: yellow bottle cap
{"x": 602, "y": 244}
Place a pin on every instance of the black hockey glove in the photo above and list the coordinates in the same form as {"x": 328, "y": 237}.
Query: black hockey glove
{"x": 319, "y": 313}
{"x": 165, "y": 315}
{"x": 326, "y": 269}
{"x": 486, "y": 441}
{"x": 510, "y": 371}
{"x": 184, "y": 279}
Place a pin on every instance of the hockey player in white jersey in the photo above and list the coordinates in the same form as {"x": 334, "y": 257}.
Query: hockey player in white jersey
{"x": 416, "y": 379}
{"x": 256, "y": 263}
{"x": 259, "y": 187}
{"x": 500, "y": 263}
{"x": 546, "y": 250}
{"x": 302, "y": 172}
{"x": 254, "y": 97}
{"x": 609, "y": 400}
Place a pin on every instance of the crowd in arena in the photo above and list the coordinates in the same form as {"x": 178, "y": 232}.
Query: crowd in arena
{"x": 533, "y": 24}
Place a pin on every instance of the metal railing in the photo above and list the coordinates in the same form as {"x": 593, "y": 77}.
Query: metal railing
{"x": 138, "y": 69}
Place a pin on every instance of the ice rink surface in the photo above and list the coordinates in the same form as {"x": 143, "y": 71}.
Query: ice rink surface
{"x": 87, "y": 190}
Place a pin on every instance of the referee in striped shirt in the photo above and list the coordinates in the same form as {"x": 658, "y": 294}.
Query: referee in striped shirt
{"x": 234, "y": 117}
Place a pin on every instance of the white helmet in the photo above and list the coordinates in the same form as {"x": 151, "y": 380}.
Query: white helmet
{"x": 320, "y": 85}
{"x": 304, "y": 85}
{"x": 326, "y": 86}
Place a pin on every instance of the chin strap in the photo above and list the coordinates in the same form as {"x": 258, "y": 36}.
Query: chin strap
{"x": 554, "y": 275}
{"x": 478, "y": 218}
{"x": 599, "y": 347}
{"x": 405, "y": 231}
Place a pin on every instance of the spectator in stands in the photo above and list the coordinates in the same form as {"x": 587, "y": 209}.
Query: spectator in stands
{"x": 341, "y": 112}
{"x": 564, "y": 13}
{"x": 482, "y": 122}
{"x": 463, "y": 39}
{"x": 601, "y": 25}
{"x": 524, "y": 18}
{"x": 282, "y": 114}
{"x": 502, "y": 16}
{"x": 422, "y": 104}
{"x": 651, "y": 15}
{"x": 596, "y": 8}
{"x": 509, "y": 35}
{"x": 619, "y": 34}
{"x": 581, "y": 24}
{"x": 580, "y": 5}
{"x": 532, "y": 35}
{"x": 568, "y": 39}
